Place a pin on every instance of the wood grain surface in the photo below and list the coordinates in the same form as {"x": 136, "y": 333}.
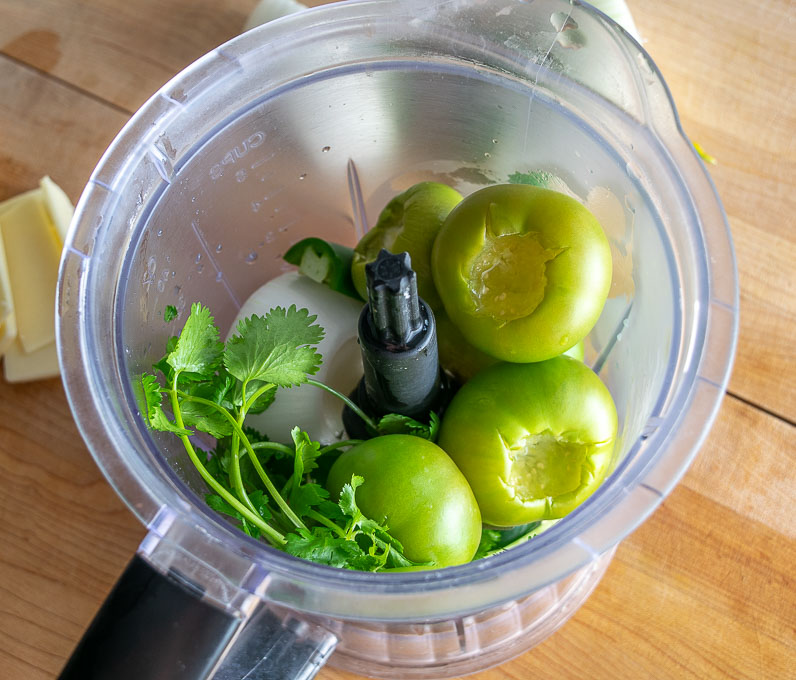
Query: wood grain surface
{"x": 704, "y": 589}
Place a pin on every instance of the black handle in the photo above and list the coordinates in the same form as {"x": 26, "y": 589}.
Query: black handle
{"x": 152, "y": 627}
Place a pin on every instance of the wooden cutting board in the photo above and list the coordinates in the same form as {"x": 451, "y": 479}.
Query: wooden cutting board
{"x": 704, "y": 589}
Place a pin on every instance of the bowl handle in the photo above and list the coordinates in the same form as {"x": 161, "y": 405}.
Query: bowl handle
{"x": 157, "y": 626}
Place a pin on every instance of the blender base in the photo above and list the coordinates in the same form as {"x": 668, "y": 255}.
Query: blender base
{"x": 469, "y": 644}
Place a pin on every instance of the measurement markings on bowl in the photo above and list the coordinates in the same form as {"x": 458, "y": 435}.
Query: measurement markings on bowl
{"x": 238, "y": 152}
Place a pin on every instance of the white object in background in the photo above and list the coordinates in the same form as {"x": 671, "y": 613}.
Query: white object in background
{"x": 306, "y": 406}
{"x": 268, "y": 10}
{"x": 620, "y": 13}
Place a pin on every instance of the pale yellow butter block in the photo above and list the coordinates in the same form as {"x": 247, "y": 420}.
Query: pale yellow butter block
{"x": 33, "y": 251}
{"x": 22, "y": 366}
{"x": 58, "y": 205}
{"x": 8, "y": 333}
{"x": 8, "y": 323}
{"x": 20, "y": 198}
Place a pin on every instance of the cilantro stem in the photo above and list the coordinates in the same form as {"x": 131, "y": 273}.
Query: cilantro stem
{"x": 273, "y": 535}
{"x": 340, "y": 445}
{"x": 275, "y": 446}
{"x": 248, "y": 402}
{"x": 235, "y": 476}
{"x": 367, "y": 420}
{"x": 318, "y": 517}
{"x": 252, "y": 455}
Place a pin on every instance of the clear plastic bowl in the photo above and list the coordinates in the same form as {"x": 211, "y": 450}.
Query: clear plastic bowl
{"x": 307, "y": 126}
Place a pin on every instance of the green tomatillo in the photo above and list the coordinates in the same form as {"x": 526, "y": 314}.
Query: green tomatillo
{"x": 461, "y": 360}
{"x": 417, "y": 490}
{"x": 523, "y": 272}
{"x": 409, "y": 223}
{"x": 533, "y": 440}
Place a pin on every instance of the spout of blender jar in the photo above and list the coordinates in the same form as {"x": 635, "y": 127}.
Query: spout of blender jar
{"x": 159, "y": 626}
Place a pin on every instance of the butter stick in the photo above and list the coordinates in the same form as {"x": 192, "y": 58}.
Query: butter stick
{"x": 33, "y": 251}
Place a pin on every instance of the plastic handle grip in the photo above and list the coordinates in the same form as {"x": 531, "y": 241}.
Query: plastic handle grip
{"x": 152, "y": 626}
{"x": 157, "y": 627}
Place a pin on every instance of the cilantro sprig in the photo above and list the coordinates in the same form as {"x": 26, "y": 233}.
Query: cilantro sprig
{"x": 270, "y": 489}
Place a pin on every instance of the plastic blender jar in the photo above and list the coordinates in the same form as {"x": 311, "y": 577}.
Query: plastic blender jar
{"x": 306, "y": 127}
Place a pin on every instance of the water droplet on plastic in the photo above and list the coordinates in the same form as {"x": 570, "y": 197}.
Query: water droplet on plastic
{"x": 219, "y": 277}
{"x": 219, "y": 248}
{"x": 494, "y": 141}
{"x": 160, "y": 232}
{"x": 487, "y": 154}
{"x": 251, "y": 257}
{"x": 303, "y": 175}
{"x": 198, "y": 258}
{"x": 199, "y": 268}
{"x": 326, "y": 149}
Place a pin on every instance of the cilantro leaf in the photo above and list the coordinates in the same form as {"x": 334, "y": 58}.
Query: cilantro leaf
{"x": 170, "y": 313}
{"x": 332, "y": 511}
{"x": 395, "y": 558}
{"x": 276, "y": 348}
{"x": 205, "y": 418}
{"x": 307, "y": 453}
{"x": 308, "y": 496}
{"x": 494, "y": 541}
{"x": 323, "y": 546}
{"x": 161, "y": 423}
{"x": 347, "y": 502}
{"x": 216, "y": 466}
{"x": 163, "y": 364}
{"x": 395, "y": 423}
{"x": 198, "y": 348}
{"x": 258, "y": 500}
{"x": 377, "y": 532}
{"x": 147, "y": 392}
{"x": 490, "y": 540}
{"x": 262, "y": 402}
{"x": 223, "y": 391}
{"x": 220, "y": 505}
{"x": 537, "y": 178}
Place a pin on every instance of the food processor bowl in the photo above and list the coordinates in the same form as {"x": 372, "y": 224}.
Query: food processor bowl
{"x": 307, "y": 126}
